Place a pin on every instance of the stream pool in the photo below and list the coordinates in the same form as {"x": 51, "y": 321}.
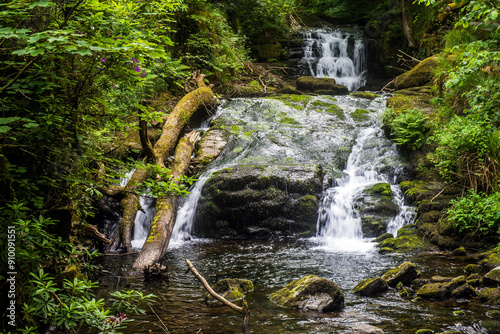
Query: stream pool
{"x": 271, "y": 265}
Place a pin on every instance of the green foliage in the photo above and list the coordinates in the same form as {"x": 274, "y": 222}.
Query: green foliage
{"x": 160, "y": 184}
{"x": 476, "y": 213}
{"x": 408, "y": 129}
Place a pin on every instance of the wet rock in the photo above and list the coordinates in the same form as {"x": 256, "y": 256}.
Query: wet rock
{"x": 371, "y": 286}
{"x": 310, "y": 293}
{"x": 460, "y": 251}
{"x": 492, "y": 277}
{"x": 490, "y": 296}
{"x": 441, "y": 279}
{"x": 323, "y": 86}
{"x": 386, "y": 250}
{"x": 420, "y": 75}
{"x": 406, "y": 241}
{"x": 475, "y": 280}
{"x": 492, "y": 326}
{"x": 252, "y": 200}
{"x": 365, "y": 95}
{"x": 442, "y": 290}
{"x": 464, "y": 291}
{"x": 405, "y": 273}
{"x": 472, "y": 269}
{"x": 383, "y": 237}
{"x": 232, "y": 289}
{"x": 210, "y": 146}
{"x": 376, "y": 208}
{"x": 491, "y": 258}
{"x": 424, "y": 331}
{"x": 366, "y": 329}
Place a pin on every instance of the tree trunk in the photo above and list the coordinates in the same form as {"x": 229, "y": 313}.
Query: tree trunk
{"x": 178, "y": 118}
{"x": 166, "y": 208}
{"x": 406, "y": 26}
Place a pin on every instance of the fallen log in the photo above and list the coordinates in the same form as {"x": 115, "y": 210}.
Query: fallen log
{"x": 166, "y": 208}
{"x": 244, "y": 311}
{"x": 202, "y": 97}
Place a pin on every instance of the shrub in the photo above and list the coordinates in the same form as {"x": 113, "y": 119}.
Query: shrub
{"x": 408, "y": 129}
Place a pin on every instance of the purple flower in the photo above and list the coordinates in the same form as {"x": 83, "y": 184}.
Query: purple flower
{"x": 103, "y": 60}
{"x": 143, "y": 74}
{"x": 134, "y": 60}
{"x": 137, "y": 69}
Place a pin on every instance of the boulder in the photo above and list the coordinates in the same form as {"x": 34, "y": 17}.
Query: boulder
{"x": 209, "y": 147}
{"x": 371, "y": 286}
{"x": 492, "y": 277}
{"x": 366, "y": 329}
{"x": 232, "y": 289}
{"x": 405, "y": 273}
{"x": 490, "y": 296}
{"x": 323, "y": 86}
{"x": 251, "y": 201}
{"x": 472, "y": 269}
{"x": 310, "y": 293}
{"x": 464, "y": 291}
{"x": 460, "y": 251}
{"x": 420, "y": 75}
{"x": 445, "y": 289}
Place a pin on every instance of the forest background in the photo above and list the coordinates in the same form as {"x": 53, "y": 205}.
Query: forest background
{"x": 76, "y": 76}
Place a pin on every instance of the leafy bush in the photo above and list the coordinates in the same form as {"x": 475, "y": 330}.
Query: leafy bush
{"x": 408, "y": 129}
{"x": 476, "y": 213}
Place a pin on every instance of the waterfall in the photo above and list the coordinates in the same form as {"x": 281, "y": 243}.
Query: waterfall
{"x": 336, "y": 54}
{"x": 339, "y": 224}
{"x": 143, "y": 220}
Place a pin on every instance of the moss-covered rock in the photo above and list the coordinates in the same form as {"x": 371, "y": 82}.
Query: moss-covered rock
{"x": 424, "y": 331}
{"x": 371, "y": 286}
{"x": 420, "y": 75}
{"x": 232, "y": 289}
{"x": 383, "y": 237}
{"x": 323, "y": 86}
{"x": 310, "y": 293}
{"x": 365, "y": 95}
{"x": 460, "y": 251}
{"x": 464, "y": 291}
{"x": 489, "y": 293}
{"x": 405, "y": 273}
{"x": 492, "y": 326}
{"x": 492, "y": 277}
{"x": 386, "y": 250}
{"x": 445, "y": 290}
{"x": 472, "y": 269}
{"x": 490, "y": 258}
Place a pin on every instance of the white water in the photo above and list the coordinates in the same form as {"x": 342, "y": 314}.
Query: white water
{"x": 143, "y": 220}
{"x": 339, "y": 225}
{"x": 337, "y": 58}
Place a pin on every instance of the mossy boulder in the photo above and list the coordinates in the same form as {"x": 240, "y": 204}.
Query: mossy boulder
{"x": 490, "y": 296}
{"x": 255, "y": 202}
{"x": 383, "y": 237}
{"x": 444, "y": 290}
{"x": 460, "y": 251}
{"x": 420, "y": 75}
{"x": 365, "y": 95}
{"x": 232, "y": 289}
{"x": 404, "y": 273}
{"x": 490, "y": 258}
{"x": 492, "y": 277}
{"x": 310, "y": 293}
{"x": 464, "y": 291}
{"x": 323, "y": 86}
{"x": 472, "y": 269}
{"x": 371, "y": 286}
{"x": 407, "y": 240}
{"x": 424, "y": 331}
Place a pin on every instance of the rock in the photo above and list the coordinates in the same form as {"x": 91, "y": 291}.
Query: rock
{"x": 310, "y": 293}
{"x": 492, "y": 326}
{"x": 324, "y": 86}
{"x": 464, "y": 291}
{"x": 491, "y": 296}
{"x": 405, "y": 273}
{"x": 491, "y": 258}
{"x": 383, "y": 237}
{"x": 365, "y": 95}
{"x": 366, "y": 329}
{"x": 475, "y": 280}
{"x": 441, "y": 279}
{"x": 243, "y": 201}
{"x": 442, "y": 290}
{"x": 210, "y": 146}
{"x": 492, "y": 277}
{"x": 461, "y": 251}
{"x": 420, "y": 75}
{"x": 233, "y": 289}
{"x": 472, "y": 269}
{"x": 371, "y": 286}
{"x": 424, "y": 331}
{"x": 386, "y": 250}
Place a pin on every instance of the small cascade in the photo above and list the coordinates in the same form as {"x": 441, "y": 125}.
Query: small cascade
{"x": 186, "y": 213}
{"x": 339, "y": 224}
{"x": 143, "y": 220}
{"x": 336, "y": 54}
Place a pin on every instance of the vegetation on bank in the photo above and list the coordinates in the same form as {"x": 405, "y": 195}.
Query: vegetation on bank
{"x": 462, "y": 133}
{"x": 75, "y": 77}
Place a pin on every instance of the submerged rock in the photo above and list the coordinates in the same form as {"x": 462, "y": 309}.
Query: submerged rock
{"x": 310, "y": 293}
{"x": 253, "y": 201}
{"x": 371, "y": 286}
{"x": 324, "y": 86}
{"x": 232, "y": 289}
{"x": 405, "y": 273}
{"x": 366, "y": 329}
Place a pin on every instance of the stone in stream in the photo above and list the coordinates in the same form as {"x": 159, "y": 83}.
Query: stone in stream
{"x": 232, "y": 289}
{"x": 323, "y": 86}
{"x": 405, "y": 273}
{"x": 490, "y": 296}
{"x": 444, "y": 290}
{"x": 256, "y": 201}
{"x": 492, "y": 277}
{"x": 366, "y": 329}
{"x": 311, "y": 293}
{"x": 371, "y": 286}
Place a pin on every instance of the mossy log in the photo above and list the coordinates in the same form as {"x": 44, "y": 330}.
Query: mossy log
{"x": 166, "y": 208}
{"x": 178, "y": 118}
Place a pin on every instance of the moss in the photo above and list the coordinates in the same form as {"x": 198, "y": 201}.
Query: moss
{"x": 232, "y": 289}
{"x": 370, "y": 286}
{"x": 382, "y": 190}
{"x": 491, "y": 258}
{"x": 424, "y": 331}
{"x": 386, "y": 250}
{"x": 388, "y": 242}
{"x": 383, "y": 237}
{"x": 419, "y": 75}
{"x": 337, "y": 111}
{"x": 365, "y": 95}
{"x": 360, "y": 115}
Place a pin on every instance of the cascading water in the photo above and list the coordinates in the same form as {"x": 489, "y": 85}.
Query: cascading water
{"x": 143, "y": 220}
{"x": 336, "y": 54}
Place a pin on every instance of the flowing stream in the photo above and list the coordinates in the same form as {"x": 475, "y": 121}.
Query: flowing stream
{"x": 342, "y": 135}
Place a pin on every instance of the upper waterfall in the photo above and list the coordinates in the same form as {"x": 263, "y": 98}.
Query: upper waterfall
{"x": 336, "y": 54}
